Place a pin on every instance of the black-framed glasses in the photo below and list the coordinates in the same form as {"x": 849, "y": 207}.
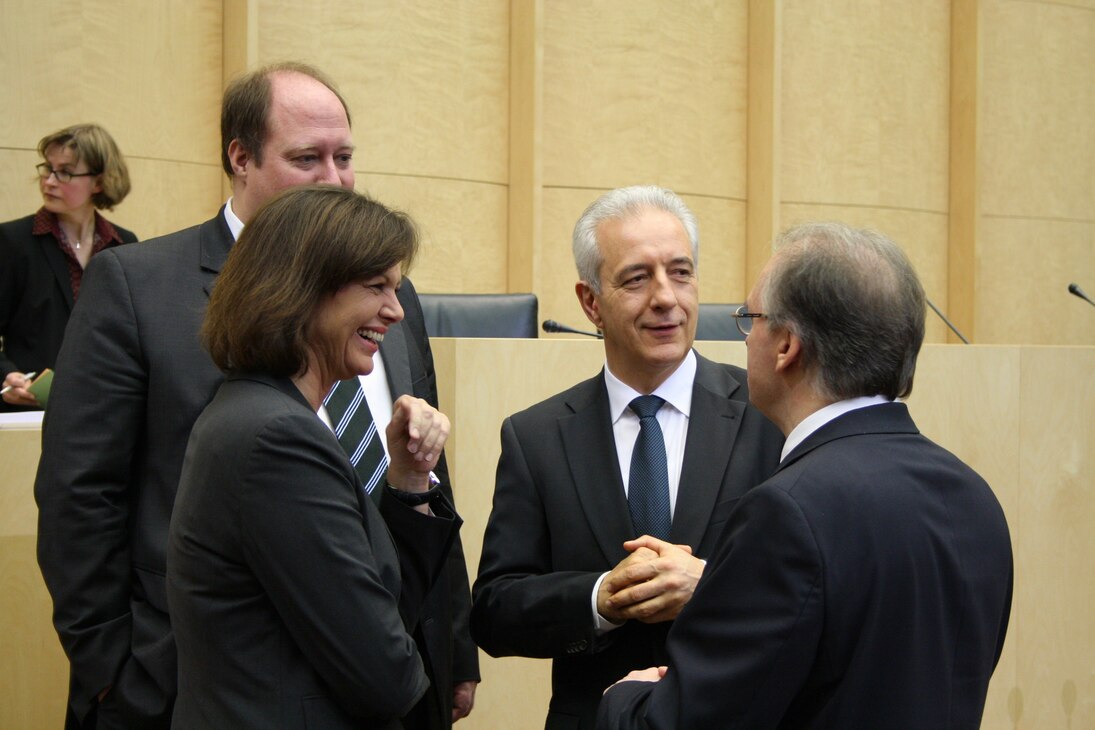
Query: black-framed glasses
{"x": 63, "y": 176}
{"x": 744, "y": 319}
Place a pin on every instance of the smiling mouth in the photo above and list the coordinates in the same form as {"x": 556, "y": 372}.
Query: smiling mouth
{"x": 371, "y": 335}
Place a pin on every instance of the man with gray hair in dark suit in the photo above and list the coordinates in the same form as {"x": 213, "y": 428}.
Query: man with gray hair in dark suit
{"x": 610, "y": 495}
{"x": 868, "y": 583}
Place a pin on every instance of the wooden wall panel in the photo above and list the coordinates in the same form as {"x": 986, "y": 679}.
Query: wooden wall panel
{"x": 953, "y": 380}
{"x": 149, "y": 73}
{"x": 461, "y": 225}
{"x": 1024, "y": 266}
{"x": 1055, "y": 580}
{"x": 644, "y": 91}
{"x": 864, "y": 105}
{"x": 1037, "y": 172}
{"x": 427, "y": 85}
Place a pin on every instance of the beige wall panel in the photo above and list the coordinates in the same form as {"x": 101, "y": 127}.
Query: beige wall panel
{"x": 922, "y": 235}
{"x": 148, "y": 72}
{"x": 1038, "y": 94}
{"x": 156, "y": 89}
{"x": 722, "y": 248}
{"x": 515, "y": 691}
{"x": 19, "y": 191}
{"x": 427, "y": 82}
{"x": 555, "y": 262}
{"x": 1024, "y": 267}
{"x": 865, "y": 103}
{"x": 641, "y": 91}
{"x": 1055, "y": 577}
{"x": 462, "y": 226}
{"x": 169, "y": 196}
{"x": 957, "y": 386}
{"x": 34, "y": 666}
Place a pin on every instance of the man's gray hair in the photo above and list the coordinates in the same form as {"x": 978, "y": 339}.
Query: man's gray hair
{"x": 854, "y": 300}
{"x": 619, "y": 204}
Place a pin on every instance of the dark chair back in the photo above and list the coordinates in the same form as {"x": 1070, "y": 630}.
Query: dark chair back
{"x": 716, "y": 322}
{"x": 480, "y": 315}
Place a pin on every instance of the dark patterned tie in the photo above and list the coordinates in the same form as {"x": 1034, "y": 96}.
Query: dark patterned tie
{"x": 648, "y": 485}
{"x": 356, "y": 431}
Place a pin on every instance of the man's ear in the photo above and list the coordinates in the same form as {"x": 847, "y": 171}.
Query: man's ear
{"x": 590, "y": 305}
{"x": 788, "y": 349}
{"x": 239, "y": 158}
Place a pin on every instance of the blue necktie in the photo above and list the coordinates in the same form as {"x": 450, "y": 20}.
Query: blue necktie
{"x": 356, "y": 432}
{"x": 648, "y": 485}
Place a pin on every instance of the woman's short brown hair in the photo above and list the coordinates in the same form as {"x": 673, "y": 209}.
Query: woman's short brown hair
{"x": 302, "y": 247}
{"x": 93, "y": 145}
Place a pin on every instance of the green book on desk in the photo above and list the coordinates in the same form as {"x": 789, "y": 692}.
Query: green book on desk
{"x": 41, "y": 385}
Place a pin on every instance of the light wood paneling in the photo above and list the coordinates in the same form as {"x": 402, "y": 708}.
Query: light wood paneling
{"x": 426, "y": 82}
{"x": 922, "y": 235}
{"x": 1055, "y": 577}
{"x": 19, "y": 192}
{"x": 148, "y": 72}
{"x": 1037, "y": 172}
{"x": 1038, "y": 143}
{"x": 765, "y": 128}
{"x": 865, "y": 89}
{"x": 956, "y": 402}
{"x": 965, "y": 195}
{"x": 427, "y": 86}
{"x": 1024, "y": 267}
{"x": 526, "y": 163}
{"x": 34, "y": 672}
{"x": 461, "y": 224}
{"x": 641, "y": 91}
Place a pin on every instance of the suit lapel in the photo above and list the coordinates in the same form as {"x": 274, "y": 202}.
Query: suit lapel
{"x": 215, "y": 241}
{"x": 56, "y": 261}
{"x": 397, "y": 363}
{"x": 712, "y": 429}
{"x": 590, "y": 450}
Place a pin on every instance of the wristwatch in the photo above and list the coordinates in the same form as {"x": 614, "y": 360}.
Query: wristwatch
{"x": 415, "y": 499}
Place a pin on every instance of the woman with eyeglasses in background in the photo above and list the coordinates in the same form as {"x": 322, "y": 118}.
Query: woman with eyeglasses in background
{"x": 43, "y": 256}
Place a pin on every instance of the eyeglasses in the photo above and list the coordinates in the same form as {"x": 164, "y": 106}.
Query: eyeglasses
{"x": 744, "y": 320}
{"x": 63, "y": 176}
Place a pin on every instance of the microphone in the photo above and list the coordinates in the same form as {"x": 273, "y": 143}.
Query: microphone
{"x": 946, "y": 321}
{"x": 550, "y": 325}
{"x": 1074, "y": 289}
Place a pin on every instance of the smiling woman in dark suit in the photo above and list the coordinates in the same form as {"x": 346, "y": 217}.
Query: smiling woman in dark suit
{"x": 43, "y": 256}
{"x": 289, "y": 586}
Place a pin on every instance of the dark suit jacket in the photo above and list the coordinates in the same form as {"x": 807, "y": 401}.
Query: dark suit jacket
{"x": 112, "y": 451}
{"x": 288, "y": 597}
{"x": 560, "y": 518}
{"x": 866, "y": 585}
{"x": 35, "y": 297}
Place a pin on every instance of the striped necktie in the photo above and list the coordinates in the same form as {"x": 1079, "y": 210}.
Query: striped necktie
{"x": 648, "y": 483}
{"x": 356, "y": 432}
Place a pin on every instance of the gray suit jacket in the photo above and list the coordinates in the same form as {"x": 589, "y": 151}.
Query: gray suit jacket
{"x": 560, "y": 518}
{"x": 289, "y": 599}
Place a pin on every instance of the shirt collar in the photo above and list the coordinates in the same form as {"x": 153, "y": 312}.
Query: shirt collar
{"x": 47, "y": 222}
{"x": 676, "y": 390}
{"x": 235, "y": 225}
{"x": 820, "y": 417}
